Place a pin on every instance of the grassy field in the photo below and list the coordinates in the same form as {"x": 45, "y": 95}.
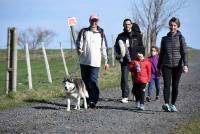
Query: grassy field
{"x": 42, "y": 90}
{"x": 192, "y": 127}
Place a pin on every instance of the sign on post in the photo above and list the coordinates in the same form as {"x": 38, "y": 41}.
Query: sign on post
{"x": 72, "y": 22}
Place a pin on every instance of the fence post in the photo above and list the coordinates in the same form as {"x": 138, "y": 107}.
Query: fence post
{"x": 63, "y": 58}
{"x": 11, "y": 75}
{"x": 8, "y": 72}
{"x": 113, "y": 51}
{"x": 28, "y": 66}
{"x": 46, "y": 63}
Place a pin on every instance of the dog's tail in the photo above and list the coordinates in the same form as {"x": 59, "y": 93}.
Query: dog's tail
{"x": 85, "y": 92}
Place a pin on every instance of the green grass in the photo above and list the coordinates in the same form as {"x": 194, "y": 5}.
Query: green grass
{"x": 42, "y": 90}
{"x": 192, "y": 127}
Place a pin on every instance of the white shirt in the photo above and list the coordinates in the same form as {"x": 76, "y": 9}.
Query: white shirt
{"x": 92, "y": 46}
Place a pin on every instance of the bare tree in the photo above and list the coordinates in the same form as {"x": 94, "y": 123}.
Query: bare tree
{"x": 34, "y": 37}
{"x": 153, "y": 15}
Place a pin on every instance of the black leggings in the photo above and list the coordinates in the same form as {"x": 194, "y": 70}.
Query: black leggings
{"x": 139, "y": 92}
{"x": 171, "y": 75}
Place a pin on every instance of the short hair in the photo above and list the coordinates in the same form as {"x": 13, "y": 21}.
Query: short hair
{"x": 155, "y": 47}
{"x": 176, "y": 20}
{"x": 127, "y": 19}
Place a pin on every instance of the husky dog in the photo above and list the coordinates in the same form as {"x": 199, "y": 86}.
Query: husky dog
{"x": 75, "y": 88}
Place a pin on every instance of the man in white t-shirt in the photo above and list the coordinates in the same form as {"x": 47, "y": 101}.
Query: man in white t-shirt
{"x": 91, "y": 42}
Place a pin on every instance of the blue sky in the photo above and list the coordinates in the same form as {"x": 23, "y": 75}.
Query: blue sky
{"x": 53, "y": 14}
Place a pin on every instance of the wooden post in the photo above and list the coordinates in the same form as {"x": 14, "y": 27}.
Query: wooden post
{"x": 71, "y": 41}
{"x": 8, "y": 73}
{"x": 113, "y": 51}
{"x": 11, "y": 75}
{"x": 46, "y": 63}
{"x": 73, "y": 34}
{"x": 63, "y": 58}
{"x": 28, "y": 66}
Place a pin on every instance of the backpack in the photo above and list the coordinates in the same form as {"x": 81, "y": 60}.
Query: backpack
{"x": 98, "y": 28}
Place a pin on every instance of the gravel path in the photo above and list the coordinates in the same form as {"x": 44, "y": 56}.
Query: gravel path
{"x": 111, "y": 116}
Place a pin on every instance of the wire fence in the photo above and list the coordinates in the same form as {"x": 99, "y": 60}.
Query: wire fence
{"x": 39, "y": 75}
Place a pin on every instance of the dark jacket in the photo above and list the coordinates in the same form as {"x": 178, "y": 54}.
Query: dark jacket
{"x": 173, "y": 51}
{"x": 135, "y": 44}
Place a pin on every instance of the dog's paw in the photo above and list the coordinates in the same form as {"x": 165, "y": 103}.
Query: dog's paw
{"x": 76, "y": 107}
{"x": 68, "y": 109}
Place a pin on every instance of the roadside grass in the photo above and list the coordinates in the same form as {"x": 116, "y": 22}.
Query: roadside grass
{"x": 192, "y": 127}
{"x": 42, "y": 90}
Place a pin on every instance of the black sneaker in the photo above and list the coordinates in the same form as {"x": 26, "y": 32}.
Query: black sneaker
{"x": 148, "y": 98}
{"x": 92, "y": 105}
{"x": 157, "y": 98}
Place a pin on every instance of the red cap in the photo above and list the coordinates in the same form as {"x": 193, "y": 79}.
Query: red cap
{"x": 94, "y": 16}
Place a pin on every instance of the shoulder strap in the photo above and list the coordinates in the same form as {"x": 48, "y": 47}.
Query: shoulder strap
{"x": 83, "y": 33}
{"x": 102, "y": 34}
{"x": 100, "y": 31}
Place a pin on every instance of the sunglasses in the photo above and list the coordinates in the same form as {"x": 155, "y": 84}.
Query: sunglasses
{"x": 94, "y": 20}
{"x": 127, "y": 24}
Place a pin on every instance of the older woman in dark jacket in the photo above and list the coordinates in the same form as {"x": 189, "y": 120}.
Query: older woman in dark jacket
{"x": 172, "y": 61}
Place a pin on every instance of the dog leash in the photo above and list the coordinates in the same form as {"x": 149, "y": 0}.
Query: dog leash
{"x": 76, "y": 69}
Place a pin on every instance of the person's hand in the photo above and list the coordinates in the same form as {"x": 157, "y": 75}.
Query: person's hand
{"x": 80, "y": 51}
{"x": 106, "y": 66}
{"x": 159, "y": 72}
{"x": 185, "y": 69}
{"x": 140, "y": 56}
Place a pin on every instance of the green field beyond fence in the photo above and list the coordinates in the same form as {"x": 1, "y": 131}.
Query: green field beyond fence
{"x": 39, "y": 75}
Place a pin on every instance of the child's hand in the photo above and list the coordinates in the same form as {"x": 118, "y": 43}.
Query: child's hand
{"x": 140, "y": 56}
{"x": 185, "y": 69}
{"x": 159, "y": 73}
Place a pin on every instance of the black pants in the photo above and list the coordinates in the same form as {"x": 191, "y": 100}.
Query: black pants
{"x": 171, "y": 75}
{"x": 90, "y": 77}
{"x": 139, "y": 92}
{"x": 124, "y": 81}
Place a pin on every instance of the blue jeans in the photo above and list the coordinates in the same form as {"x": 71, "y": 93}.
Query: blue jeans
{"x": 124, "y": 81}
{"x": 151, "y": 86}
{"x": 90, "y": 77}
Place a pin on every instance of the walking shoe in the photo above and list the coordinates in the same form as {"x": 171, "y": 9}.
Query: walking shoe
{"x": 134, "y": 98}
{"x": 92, "y": 105}
{"x": 157, "y": 98}
{"x": 141, "y": 107}
{"x": 137, "y": 104}
{"x": 173, "y": 108}
{"x": 166, "y": 108}
{"x": 148, "y": 98}
{"x": 124, "y": 100}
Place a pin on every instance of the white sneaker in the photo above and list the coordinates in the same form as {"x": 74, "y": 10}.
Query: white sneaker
{"x": 137, "y": 104}
{"x": 141, "y": 107}
{"x": 124, "y": 100}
